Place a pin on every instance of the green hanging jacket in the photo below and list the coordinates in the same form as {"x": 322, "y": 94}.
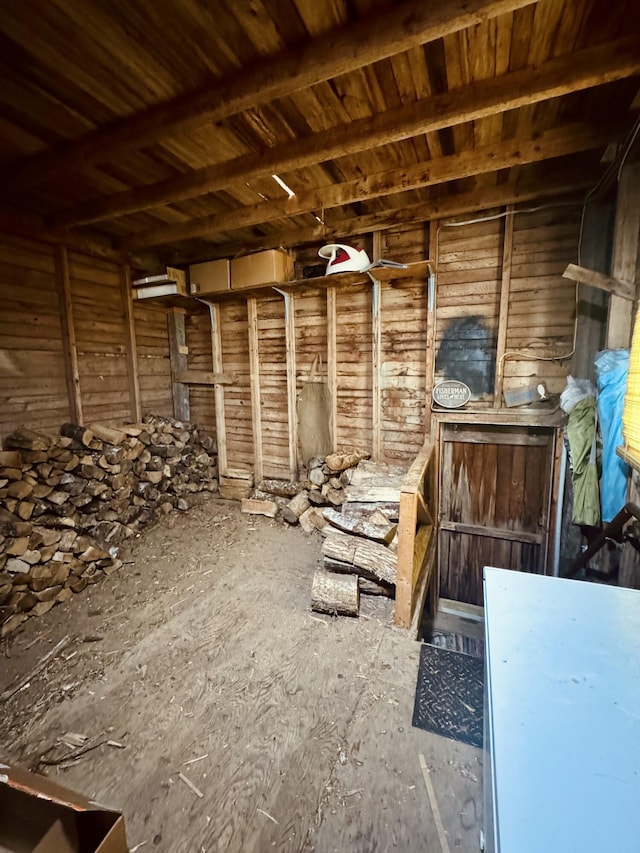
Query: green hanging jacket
{"x": 581, "y": 432}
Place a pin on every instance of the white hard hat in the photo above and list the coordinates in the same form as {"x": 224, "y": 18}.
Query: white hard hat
{"x": 344, "y": 258}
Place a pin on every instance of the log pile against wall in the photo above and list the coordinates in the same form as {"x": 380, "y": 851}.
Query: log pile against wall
{"x": 301, "y": 502}
{"x": 66, "y": 503}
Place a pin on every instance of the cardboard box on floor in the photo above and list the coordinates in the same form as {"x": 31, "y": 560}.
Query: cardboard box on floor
{"x": 261, "y": 268}
{"x": 38, "y": 816}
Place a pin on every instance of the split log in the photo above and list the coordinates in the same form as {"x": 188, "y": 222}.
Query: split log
{"x": 366, "y": 493}
{"x": 335, "y": 594}
{"x": 306, "y": 520}
{"x": 391, "y": 509}
{"x": 258, "y": 507}
{"x": 19, "y": 489}
{"x": 317, "y": 477}
{"x": 317, "y": 498}
{"x": 348, "y": 459}
{"x": 369, "y": 587}
{"x": 335, "y": 496}
{"x": 282, "y": 488}
{"x": 296, "y": 506}
{"x": 27, "y": 439}
{"x": 360, "y": 526}
{"x": 81, "y": 435}
{"x": 10, "y": 459}
{"x": 315, "y": 462}
{"x": 266, "y": 496}
{"x": 108, "y": 434}
{"x": 361, "y": 553}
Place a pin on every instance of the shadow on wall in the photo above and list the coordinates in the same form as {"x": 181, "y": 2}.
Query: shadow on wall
{"x": 468, "y": 352}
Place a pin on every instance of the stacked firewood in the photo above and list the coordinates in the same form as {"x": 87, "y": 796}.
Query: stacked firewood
{"x": 302, "y": 502}
{"x": 66, "y": 503}
{"x": 359, "y": 556}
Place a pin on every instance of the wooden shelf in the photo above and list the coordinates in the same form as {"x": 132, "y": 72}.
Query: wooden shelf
{"x": 550, "y": 416}
{"x": 301, "y": 285}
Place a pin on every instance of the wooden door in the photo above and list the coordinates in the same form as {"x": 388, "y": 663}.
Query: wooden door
{"x": 495, "y": 489}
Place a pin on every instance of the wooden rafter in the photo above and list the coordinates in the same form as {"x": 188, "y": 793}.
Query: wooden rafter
{"x": 555, "y": 143}
{"x": 440, "y": 207}
{"x": 555, "y": 78}
{"x": 391, "y": 31}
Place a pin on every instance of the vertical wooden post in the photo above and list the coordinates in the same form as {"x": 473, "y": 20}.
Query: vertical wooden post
{"x": 376, "y": 418}
{"x": 68, "y": 335}
{"x": 376, "y": 352}
{"x": 431, "y": 326}
{"x": 290, "y": 330}
{"x": 130, "y": 344}
{"x": 178, "y": 355}
{"x": 332, "y": 364}
{"x": 254, "y": 370}
{"x": 503, "y": 319}
{"x": 218, "y": 390}
{"x": 625, "y": 255}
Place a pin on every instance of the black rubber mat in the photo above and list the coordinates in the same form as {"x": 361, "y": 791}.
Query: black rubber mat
{"x": 449, "y": 694}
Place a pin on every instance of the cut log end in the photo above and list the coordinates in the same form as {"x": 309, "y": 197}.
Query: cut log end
{"x": 335, "y": 594}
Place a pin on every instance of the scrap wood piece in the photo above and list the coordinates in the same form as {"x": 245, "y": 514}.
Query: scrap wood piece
{"x": 336, "y": 594}
{"x": 253, "y": 506}
{"x": 190, "y": 785}
{"x": 347, "y": 459}
{"x": 437, "y": 817}
{"x": 22, "y": 682}
{"x": 360, "y": 526}
{"x": 375, "y": 558}
{"x": 600, "y": 280}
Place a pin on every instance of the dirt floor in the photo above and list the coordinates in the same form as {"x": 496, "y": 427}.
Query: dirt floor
{"x": 201, "y": 657}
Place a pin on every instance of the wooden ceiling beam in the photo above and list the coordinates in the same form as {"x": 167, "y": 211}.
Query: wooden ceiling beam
{"x": 393, "y": 30}
{"x": 570, "y": 139}
{"x": 32, "y": 227}
{"x": 570, "y": 73}
{"x": 441, "y": 207}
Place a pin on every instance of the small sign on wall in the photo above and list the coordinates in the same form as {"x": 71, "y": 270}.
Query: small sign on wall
{"x": 451, "y": 394}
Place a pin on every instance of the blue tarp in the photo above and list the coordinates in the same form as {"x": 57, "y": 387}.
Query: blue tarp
{"x": 612, "y": 367}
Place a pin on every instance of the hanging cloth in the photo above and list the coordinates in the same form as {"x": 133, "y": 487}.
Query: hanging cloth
{"x": 582, "y": 435}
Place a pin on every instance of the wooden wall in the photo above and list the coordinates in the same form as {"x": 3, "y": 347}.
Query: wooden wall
{"x": 201, "y": 397}
{"x": 33, "y": 385}
{"x": 500, "y": 301}
{"x": 504, "y": 315}
{"x": 98, "y": 320}
{"x": 69, "y": 338}
{"x": 154, "y": 366}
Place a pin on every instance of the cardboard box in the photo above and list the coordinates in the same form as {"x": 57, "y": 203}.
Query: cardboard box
{"x": 38, "y": 816}
{"x": 212, "y": 277}
{"x": 261, "y": 268}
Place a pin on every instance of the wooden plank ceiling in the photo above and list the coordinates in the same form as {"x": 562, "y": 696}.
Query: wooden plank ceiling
{"x": 144, "y": 125}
